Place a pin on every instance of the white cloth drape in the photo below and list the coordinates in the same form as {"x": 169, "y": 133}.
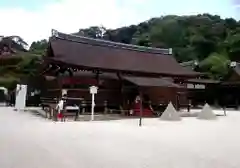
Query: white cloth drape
{"x": 60, "y": 106}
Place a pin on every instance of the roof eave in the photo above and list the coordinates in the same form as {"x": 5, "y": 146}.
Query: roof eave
{"x": 139, "y": 73}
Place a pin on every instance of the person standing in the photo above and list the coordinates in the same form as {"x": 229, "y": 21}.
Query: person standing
{"x": 60, "y": 107}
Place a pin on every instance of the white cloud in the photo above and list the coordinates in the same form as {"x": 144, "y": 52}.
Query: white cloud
{"x": 66, "y": 16}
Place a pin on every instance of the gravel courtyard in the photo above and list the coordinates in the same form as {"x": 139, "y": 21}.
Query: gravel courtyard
{"x": 29, "y": 141}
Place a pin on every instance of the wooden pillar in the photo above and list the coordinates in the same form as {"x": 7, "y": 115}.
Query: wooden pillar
{"x": 236, "y": 102}
{"x": 70, "y": 72}
{"x": 83, "y": 105}
{"x": 98, "y": 77}
{"x": 141, "y": 107}
{"x": 189, "y": 105}
{"x": 122, "y": 93}
{"x": 59, "y": 83}
{"x": 64, "y": 111}
{"x": 98, "y": 83}
{"x": 105, "y": 107}
{"x": 176, "y": 102}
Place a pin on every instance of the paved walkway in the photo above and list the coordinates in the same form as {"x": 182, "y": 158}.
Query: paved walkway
{"x": 28, "y": 141}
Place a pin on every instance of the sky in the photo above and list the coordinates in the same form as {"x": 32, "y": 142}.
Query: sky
{"x": 34, "y": 19}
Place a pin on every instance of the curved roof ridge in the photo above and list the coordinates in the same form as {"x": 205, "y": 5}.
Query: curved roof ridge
{"x": 106, "y": 43}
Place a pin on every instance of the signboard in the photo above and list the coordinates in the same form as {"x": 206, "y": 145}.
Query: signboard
{"x": 93, "y": 89}
{"x": 195, "y": 86}
{"x": 199, "y": 86}
{"x": 190, "y": 86}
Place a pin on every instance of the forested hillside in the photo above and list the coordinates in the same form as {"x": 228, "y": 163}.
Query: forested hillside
{"x": 206, "y": 38}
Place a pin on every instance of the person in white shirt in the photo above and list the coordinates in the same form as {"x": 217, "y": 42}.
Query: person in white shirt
{"x": 60, "y": 107}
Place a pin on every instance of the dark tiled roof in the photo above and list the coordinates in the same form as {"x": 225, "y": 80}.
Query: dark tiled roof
{"x": 104, "y": 75}
{"x": 92, "y": 53}
{"x": 106, "y": 43}
{"x": 158, "y": 82}
{"x": 203, "y": 81}
{"x": 140, "y": 81}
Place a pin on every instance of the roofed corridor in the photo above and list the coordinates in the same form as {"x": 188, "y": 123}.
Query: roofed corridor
{"x": 29, "y": 141}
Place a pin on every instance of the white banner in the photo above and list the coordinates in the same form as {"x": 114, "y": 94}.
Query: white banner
{"x": 20, "y": 100}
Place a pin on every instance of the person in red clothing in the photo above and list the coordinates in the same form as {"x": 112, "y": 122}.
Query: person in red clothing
{"x": 147, "y": 111}
{"x": 137, "y": 106}
{"x": 147, "y": 108}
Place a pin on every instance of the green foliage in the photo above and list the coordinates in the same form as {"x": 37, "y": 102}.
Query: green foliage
{"x": 39, "y": 47}
{"x": 25, "y": 67}
{"x": 216, "y": 65}
{"x": 21, "y": 65}
{"x": 8, "y": 82}
{"x": 232, "y": 45}
{"x": 93, "y": 32}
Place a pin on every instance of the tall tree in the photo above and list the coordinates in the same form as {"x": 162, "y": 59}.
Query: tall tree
{"x": 93, "y": 32}
{"x": 39, "y": 47}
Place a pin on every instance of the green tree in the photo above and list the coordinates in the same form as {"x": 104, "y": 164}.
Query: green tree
{"x": 39, "y": 47}
{"x": 93, "y": 32}
{"x": 232, "y": 44}
{"x": 216, "y": 65}
{"x": 21, "y": 63}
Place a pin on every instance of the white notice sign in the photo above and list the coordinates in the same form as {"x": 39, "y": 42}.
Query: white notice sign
{"x": 20, "y": 100}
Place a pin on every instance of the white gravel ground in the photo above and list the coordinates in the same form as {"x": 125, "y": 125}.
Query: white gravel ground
{"x": 28, "y": 141}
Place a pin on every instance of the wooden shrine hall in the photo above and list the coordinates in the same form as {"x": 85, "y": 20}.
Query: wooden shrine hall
{"x": 122, "y": 73}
